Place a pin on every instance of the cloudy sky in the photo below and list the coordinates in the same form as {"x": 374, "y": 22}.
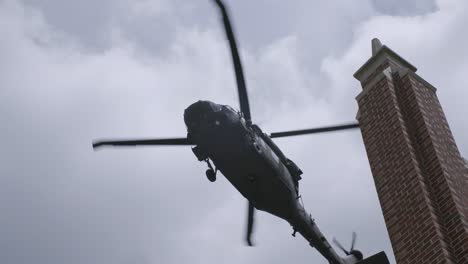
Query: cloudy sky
{"x": 73, "y": 71}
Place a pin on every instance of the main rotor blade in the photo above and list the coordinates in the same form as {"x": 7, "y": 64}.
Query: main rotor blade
{"x": 144, "y": 142}
{"x": 313, "y": 130}
{"x": 250, "y": 223}
{"x": 241, "y": 86}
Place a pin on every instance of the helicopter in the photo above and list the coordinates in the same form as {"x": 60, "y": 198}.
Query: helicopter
{"x": 229, "y": 142}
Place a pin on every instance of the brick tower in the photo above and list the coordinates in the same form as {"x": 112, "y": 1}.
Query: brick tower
{"x": 420, "y": 176}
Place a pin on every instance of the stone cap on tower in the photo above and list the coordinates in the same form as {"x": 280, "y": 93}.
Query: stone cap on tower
{"x": 380, "y": 55}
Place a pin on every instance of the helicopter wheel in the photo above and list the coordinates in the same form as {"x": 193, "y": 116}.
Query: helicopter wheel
{"x": 211, "y": 175}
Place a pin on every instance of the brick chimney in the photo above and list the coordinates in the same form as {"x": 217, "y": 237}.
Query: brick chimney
{"x": 418, "y": 171}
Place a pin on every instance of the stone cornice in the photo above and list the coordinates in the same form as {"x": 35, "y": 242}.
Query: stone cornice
{"x": 383, "y": 54}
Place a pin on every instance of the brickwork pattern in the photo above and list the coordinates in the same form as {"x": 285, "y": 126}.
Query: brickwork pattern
{"x": 419, "y": 174}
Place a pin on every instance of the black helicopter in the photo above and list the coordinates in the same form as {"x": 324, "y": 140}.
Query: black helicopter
{"x": 229, "y": 142}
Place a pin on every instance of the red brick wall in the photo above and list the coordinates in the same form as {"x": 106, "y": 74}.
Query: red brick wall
{"x": 417, "y": 168}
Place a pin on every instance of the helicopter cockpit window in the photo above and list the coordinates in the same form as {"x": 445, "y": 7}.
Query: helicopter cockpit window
{"x": 216, "y": 107}
{"x": 231, "y": 109}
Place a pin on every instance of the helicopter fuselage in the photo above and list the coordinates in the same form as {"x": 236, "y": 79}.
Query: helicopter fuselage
{"x": 240, "y": 152}
{"x": 255, "y": 167}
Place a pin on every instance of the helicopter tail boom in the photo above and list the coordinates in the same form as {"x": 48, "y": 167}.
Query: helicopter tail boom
{"x": 306, "y": 226}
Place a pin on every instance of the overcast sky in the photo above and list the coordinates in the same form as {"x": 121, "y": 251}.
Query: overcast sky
{"x": 74, "y": 71}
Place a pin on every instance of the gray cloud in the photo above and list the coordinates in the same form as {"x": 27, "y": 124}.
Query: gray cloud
{"x": 406, "y": 8}
{"x": 72, "y": 72}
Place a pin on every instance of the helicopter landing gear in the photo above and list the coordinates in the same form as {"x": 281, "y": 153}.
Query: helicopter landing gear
{"x": 211, "y": 175}
{"x": 210, "y": 172}
{"x": 294, "y": 232}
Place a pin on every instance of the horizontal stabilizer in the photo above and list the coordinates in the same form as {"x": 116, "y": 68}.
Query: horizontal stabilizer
{"x": 379, "y": 258}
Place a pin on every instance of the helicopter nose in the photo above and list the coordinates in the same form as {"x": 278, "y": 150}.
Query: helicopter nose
{"x": 200, "y": 112}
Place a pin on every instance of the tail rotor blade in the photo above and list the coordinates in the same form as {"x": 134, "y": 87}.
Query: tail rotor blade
{"x": 250, "y": 223}
{"x": 144, "y": 142}
{"x": 340, "y": 246}
{"x": 353, "y": 241}
{"x": 241, "y": 86}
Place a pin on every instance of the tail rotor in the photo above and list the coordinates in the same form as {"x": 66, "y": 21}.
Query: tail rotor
{"x": 356, "y": 253}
